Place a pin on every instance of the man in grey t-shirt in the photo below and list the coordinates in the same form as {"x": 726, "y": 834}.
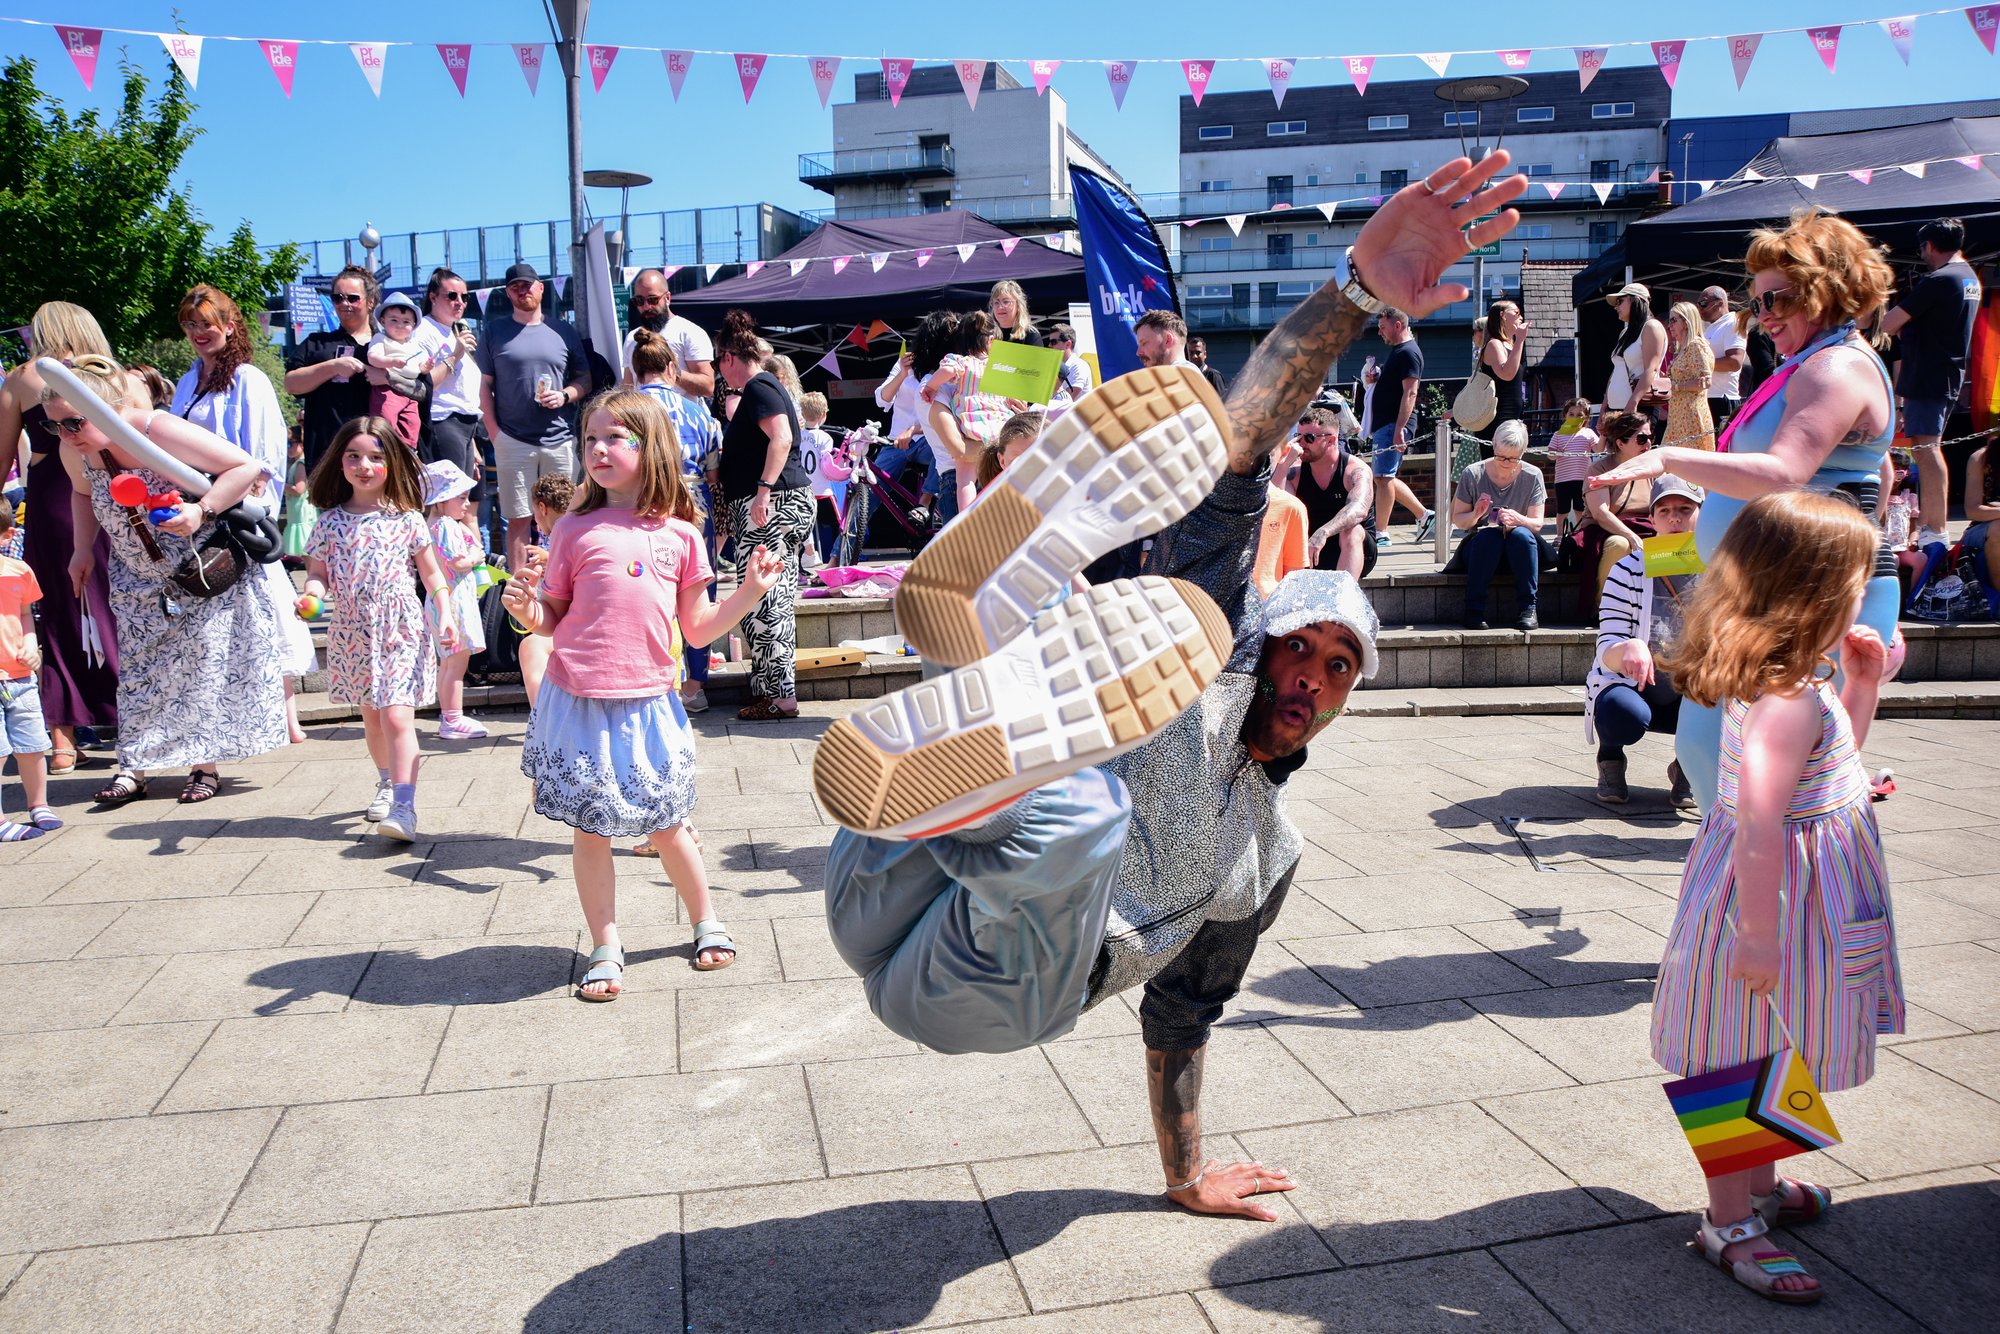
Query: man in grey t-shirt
{"x": 532, "y": 370}
{"x": 1498, "y": 504}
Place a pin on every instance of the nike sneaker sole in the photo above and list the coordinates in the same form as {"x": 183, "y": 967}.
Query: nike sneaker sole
{"x": 1129, "y": 458}
{"x": 1089, "y": 679}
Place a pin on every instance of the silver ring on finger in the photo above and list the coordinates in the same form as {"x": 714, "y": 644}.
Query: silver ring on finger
{"x": 1256, "y": 1185}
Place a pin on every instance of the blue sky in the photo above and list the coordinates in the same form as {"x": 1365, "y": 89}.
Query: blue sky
{"x": 423, "y": 158}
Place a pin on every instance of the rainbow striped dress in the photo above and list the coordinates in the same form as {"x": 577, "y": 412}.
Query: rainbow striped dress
{"x": 1839, "y": 985}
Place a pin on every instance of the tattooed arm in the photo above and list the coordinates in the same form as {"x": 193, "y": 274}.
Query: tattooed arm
{"x": 1173, "y": 1085}
{"x": 1284, "y": 373}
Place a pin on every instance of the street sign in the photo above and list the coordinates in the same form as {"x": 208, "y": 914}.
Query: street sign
{"x": 1487, "y": 250}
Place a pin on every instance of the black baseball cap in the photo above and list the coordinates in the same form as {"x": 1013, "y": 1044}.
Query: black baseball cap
{"x": 523, "y": 272}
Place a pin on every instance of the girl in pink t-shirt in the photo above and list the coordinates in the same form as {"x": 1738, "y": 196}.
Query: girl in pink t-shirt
{"x": 609, "y": 747}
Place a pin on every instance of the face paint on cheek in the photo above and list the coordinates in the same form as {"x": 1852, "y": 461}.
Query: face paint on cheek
{"x": 1265, "y": 688}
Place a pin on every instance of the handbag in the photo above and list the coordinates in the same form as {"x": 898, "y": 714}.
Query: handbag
{"x": 1477, "y": 404}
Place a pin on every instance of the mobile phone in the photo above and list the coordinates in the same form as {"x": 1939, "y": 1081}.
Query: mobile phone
{"x": 458, "y": 326}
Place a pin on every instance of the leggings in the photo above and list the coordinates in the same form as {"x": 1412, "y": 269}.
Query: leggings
{"x": 772, "y": 628}
{"x": 1624, "y": 714}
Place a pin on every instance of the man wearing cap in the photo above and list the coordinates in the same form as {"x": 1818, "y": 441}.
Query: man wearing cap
{"x": 1093, "y": 801}
{"x": 532, "y": 373}
{"x": 1725, "y": 340}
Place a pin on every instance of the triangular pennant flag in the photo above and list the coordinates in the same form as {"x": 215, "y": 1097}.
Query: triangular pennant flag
{"x": 1589, "y": 60}
{"x": 971, "y": 73}
{"x": 824, "y": 70}
{"x": 600, "y": 64}
{"x": 710, "y": 270}
{"x": 1043, "y": 71}
{"x": 840, "y": 263}
{"x": 283, "y": 58}
{"x": 876, "y": 327}
{"x": 830, "y": 363}
{"x": 1007, "y": 246}
{"x": 1866, "y": 175}
{"x": 83, "y": 45}
{"x": 1278, "y": 70}
{"x": 1056, "y": 240}
{"x": 749, "y": 69}
{"x": 561, "y": 280}
{"x": 457, "y": 63}
{"x": 677, "y": 69}
{"x": 1554, "y": 188}
{"x": 1810, "y": 180}
{"x": 1902, "y": 34}
{"x": 1358, "y": 69}
{"x": 1602, "y": 189}
{"x": 799, "y": 266}
{"x": 186, "y": 52}
{"x": 924, "y": 257}
{"x": 1119, "y": 72}
{"x": 1705, "y": 186}
{"x": 1654, "y": 179}
{"x": 1236, "y": 221}
{"x": 896, "y": 74}
{"x": 1985, "y": 20}
{"x": 667, "y": 272}
{"x": 857, "y": 336}
{"x": 485, "y": 294}
{"x": 1743, "y": 50}
{"x": 751, "y": 269}
{"x": 1326, "y": 210}
{"x": 626, "y": 274}
{"x": 529, "y": 55}
{"x": 1515, "y": 59}
{"x": 370, "y": 55}
{"x": 1197, "y": 72}
{"x": 1915, "y": 169}
{"x": 1752, "y": 174}
{"x": 1438, "y": 62}
{"x": 1971, "y": 161}
{"x": 1826, "y": 41}
{"x": 1191, "y": 222}
{"x": 877, "y": 260}
{"x": 1667, "y": 55}
{"x": 965, "y": 252}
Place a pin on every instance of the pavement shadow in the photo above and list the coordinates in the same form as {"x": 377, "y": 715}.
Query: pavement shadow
{"x": 1293, "y": 985}
{"x": 882, "y": 1265}
{"x": 311, "y": 828}
{"x": 477, "y": 975}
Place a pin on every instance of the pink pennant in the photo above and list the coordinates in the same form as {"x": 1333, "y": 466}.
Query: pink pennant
{"x": 1553, "y": 187}
{"x": 1119, "y": 72}
{"x": 1971, "y": 162}
{"x": 1865, "y": 175}
{"x": 1043, "y": 71}
{"x": 840, "y": 262}
{"x": 529, "y": 55}
{"x": 1589, "y": 60}
{"x": 971, "y": 73}
{"x": 924, "y": 257}
{"x": 370, "y": 56}
{"x": 1279, "y": 71}
{"x": 284, "y": 60}
{"x": 896, "y": 73}
{"x": 1743, "y": 50}
{"x": 1902, "y": 34}
{"x": 1668, "y": 56}
{"x": 1007, "y": 246}
{"x": 1358, "y": 69}
{"x": 1438, "y": 61}
{"x": 751, "y": 269}
{"x": 825, "y": 69}
{"x": 186, "y": 51}
{"x": 1515, "y": 59}
{"x": 600, "y": 64}
{"x": 670, "y": 270}
{"x": 677, "y": 70}
{"x": 830, "y": 363}
{"x": 1985, "y": 20}
{"x": 1197, "y": 72}
{"x": 84, "y": 45}
{"x": 1826, "y": 41}
{"x": 749, "y": 69}
{"x": 457, "y": 63}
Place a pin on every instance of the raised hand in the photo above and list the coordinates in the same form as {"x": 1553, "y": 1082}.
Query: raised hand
{"x": 1865, "y": 656}
{"x": 1419, "y": 233}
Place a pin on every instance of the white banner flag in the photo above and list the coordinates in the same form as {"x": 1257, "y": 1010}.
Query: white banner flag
{"x": 370, "y": 55}
{"x": 186, "y": 52}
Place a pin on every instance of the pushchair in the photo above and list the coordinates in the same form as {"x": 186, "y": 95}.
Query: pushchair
{"x": 896, "y": 510}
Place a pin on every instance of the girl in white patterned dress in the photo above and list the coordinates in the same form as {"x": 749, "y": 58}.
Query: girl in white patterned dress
{"x": 369, "y": 494}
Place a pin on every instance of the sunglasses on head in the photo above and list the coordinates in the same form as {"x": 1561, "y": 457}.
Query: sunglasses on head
{"x": 67, "y": 426}
{"x": 347, "y": 298}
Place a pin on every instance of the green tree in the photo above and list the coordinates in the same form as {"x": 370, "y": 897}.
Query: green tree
{"x": 91, "y": 214}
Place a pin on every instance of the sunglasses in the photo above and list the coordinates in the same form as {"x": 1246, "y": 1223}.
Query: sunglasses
{"x": 1312, "y": 435}
{"x": 1766, "y": 303}
{"x": 67, "y": 426}
{"x": 452, "y": 296}
{"x": 347, "y": 299}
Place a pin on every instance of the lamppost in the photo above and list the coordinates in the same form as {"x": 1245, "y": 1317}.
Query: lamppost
{"x": 624, "y": 182}
{"x": 1476, "y": 92}
{"x": 370, "y": 239}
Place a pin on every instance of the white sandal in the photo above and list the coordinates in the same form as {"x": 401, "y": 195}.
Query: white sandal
{"x": 709, "y": 934}
{"x": 1761, "y": 1272}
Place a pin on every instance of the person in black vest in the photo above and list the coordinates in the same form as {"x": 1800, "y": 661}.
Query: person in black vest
{"x": 1338, "y": 492}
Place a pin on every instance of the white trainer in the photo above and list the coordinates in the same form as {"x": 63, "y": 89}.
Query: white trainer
{"x": 385, "y": 797}
{"x": 400, "y": 823}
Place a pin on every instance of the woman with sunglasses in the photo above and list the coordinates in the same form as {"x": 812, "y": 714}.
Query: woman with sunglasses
{"x": 1617, "y": 521}
{"x": 79, "y": 677}
{"x": 1823, "y": 421}
{"x": 328, "y": 372}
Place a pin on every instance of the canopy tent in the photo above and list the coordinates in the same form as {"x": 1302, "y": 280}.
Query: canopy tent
{"x": 902, "y": 291}
{"x": 1702, "y": 242}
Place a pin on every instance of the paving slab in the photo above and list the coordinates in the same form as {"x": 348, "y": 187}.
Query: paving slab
{"x": 1158, "y": 1315}
{"x": 92, "y": 1074}
{"x": 1961, "y": 982}
{"x": 1446, "y": 1294}
{"x": 1401, "y": 967}
{"x": 1593, "y": 1032}
{"x": 240, "y": 983}
{"x": 1972, "y": 1060}
{"x": 299, "y": 1058}
{"x": 533, "y": 907}
{"x": 782, "y": 1024}
{"x": 1413, "y": 1055}
{"x": 32, "y": 935}
{"x": 79, "y": 994}
{"x": 350, "y": 865}
{"x": 394, "y": 912}
{"x": 805, "y": 950}
{"x": 1908, "y": 1119}
{"x": 495, "y": 970}
{"x": 556, "y": 1040}
{"x": 191, "y": 877}
{"x": 186, "y": 926}
{"x": 1573, "y": 948}
{"x": 1394, "y": 902}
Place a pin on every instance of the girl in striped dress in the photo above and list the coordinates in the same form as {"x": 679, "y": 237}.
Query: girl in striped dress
{"x": 1783, "y": 928}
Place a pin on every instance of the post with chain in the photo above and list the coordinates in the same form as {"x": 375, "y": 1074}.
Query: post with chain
{"x": 1441, "y": 494}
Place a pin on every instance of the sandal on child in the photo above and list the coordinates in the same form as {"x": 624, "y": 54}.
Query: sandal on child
{"x": 645, "y": 848}
{"x": 765, "y": 711}
{"x": 710, "y": 934}
{"x": 1817, "y": 1200}
{"x": 56, "y": 767}
{"x": 123, "y": 788}
{"x": 607, "y": 964}
{"x": 200, "y": 786}
{"x": 1761, "y": 1272}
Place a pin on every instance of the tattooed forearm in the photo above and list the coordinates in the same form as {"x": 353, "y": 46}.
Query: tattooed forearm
{"x": 1285, "y": 372}
{"x": 1173, "y": 1085}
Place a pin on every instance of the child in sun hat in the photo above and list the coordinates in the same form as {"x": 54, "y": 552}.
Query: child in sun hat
{"x": 448, "y": 507}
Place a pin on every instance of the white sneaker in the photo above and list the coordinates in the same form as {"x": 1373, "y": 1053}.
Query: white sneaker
{"x": 1926, "y": 536}
{"x": 464, "y": 729}
{"x": 385, "y": 797}
{"x": 694, "y": 700}
{"x": 400, "y": 823}
{"x": 1090, "y": 678}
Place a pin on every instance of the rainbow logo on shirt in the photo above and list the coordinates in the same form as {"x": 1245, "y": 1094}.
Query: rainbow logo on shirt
{"x": 636, "y": 568}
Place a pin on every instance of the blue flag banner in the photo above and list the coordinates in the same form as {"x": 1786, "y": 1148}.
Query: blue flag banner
{"x": 1125, "y": 268}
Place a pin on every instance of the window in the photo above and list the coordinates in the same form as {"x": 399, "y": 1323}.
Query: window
{"x": 1542, "y": 169}
{"x": 1388, "y": 122}
{"x": 1278, "y": 129}
{"x": 1394, "y": 180}
{"x": 1312, "y": 180}
{"x": 1604, "y": 169}
{"x": 1312, "y": 238}
{"x": 1216, "y": 132}
{"x": 1361, "y": 178}
{"x": 1603, "y": 233}
{"x": 1210, "y": 292}
{"x": 1215, "y": 187}
{"x": 1452, "y": 118}
{"x": 1527, "y": 115}
{"x": 1610, "y": 110}
{"x": 1534, "y": 231}
{"x": 1290, "y": 294}
{"x": 1217, "y": 242}
{"x": 1277, "y": 190}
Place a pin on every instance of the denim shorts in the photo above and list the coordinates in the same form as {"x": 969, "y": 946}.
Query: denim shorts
{"x": 1387, "y": 458}
{"x": 1923, "y": 418}
{"x": 21, "y": 717}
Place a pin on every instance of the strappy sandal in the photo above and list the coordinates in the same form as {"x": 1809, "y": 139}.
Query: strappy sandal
{"x": 646, "y": 848}
{"x": 1761, "y": 1272}
{"x": 58, "y": 770}
{"x": 765, "y": 711}
{"x": 200, "y": 786}
{"x": 123, "y": 788}
{"x": 1817, "y": 1200}
{"x": 709, "y": 934}
{"x": 607, "y": 964}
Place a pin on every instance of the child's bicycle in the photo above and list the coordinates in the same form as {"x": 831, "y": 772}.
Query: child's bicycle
{"x": 868, "y": 489}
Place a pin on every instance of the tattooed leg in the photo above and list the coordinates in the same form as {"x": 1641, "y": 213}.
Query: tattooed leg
{"x": 1173, "y": 1085}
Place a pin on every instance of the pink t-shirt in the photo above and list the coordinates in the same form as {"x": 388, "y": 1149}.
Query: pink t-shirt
{"x": 622, "y": 577}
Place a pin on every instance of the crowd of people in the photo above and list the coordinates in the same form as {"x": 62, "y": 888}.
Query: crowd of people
{"x": 1019, "y": 839}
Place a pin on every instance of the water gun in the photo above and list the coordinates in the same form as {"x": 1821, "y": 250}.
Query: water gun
{"x": 129, "y": 490}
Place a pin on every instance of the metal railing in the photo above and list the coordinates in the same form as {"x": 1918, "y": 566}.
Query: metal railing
{"x": 1010, "y": 208}
{"x": 1255, "y": 259}
{"x": 1354, "y": 196}
{"x": 902, "y": 159}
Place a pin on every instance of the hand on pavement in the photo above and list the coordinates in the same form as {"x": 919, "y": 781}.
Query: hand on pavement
{"x": 1230, "y": 1190}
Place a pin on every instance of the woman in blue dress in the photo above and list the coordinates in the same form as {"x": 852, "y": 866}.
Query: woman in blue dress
{"x": 1823, "y": 421}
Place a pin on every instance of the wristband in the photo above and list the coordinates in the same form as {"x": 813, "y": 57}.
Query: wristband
{"x": 1194, "y": 1180}
{"x": 1357, "y": 294}
{"x": 763, "y": 485}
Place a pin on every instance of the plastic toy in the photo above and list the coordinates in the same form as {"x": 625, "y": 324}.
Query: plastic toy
{"x": 128, "y": 490}
{"x": 309, "y": 606}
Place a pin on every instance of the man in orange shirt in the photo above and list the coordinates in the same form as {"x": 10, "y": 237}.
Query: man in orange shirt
{"x": 20, "y": 696}
{"x": 1281, "y": 543}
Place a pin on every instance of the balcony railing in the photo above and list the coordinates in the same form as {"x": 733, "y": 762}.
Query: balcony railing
{"x": 1256, "y": 259}
{"x": 1003, "y": 209}
{"x": 1353, "y": 196}
{"x": 885, "y": 163}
